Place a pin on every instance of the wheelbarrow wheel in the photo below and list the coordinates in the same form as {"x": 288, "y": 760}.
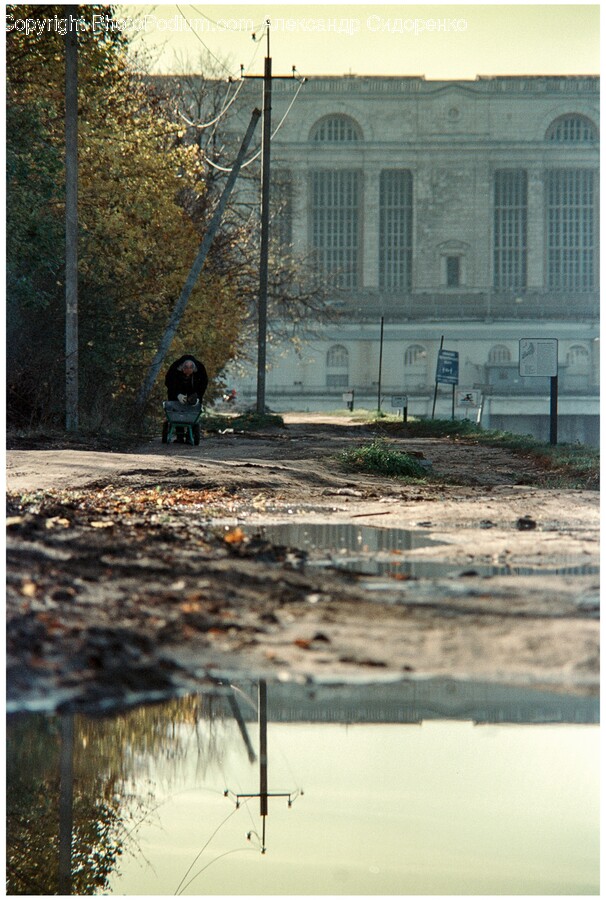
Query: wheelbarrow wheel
{"x": 196, "y": 432}
{"x": 165, "y": 427}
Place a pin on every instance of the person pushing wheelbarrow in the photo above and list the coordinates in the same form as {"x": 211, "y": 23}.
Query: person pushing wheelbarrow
{"x": 186, "y": 381}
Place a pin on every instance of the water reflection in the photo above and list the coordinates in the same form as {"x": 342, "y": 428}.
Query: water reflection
{"x": 370, "y": 550}
{"x": 404, "y": 793}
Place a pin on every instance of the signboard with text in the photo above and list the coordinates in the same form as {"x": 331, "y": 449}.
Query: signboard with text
{"x": 447, "y": 371}
{"x": 399, "y": 401}
{"x": 539, "y": 356}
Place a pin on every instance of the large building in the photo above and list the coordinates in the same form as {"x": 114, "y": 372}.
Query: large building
{"x": 458, "y": 210}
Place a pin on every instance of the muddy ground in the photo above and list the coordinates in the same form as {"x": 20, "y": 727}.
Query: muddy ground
{"x": 132, "y": 574}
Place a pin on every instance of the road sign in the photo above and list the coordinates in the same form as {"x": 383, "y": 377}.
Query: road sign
{"x": 447, "y": 371}
{"x": 399, "y": 401}
{"x": 539, "y": 357}
{"x": 468, "y": 398}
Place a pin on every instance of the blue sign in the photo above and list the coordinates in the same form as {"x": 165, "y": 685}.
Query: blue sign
{"x": 447, "y": 371}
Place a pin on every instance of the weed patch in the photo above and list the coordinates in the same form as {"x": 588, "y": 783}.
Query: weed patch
{"x": 378, "y": 458}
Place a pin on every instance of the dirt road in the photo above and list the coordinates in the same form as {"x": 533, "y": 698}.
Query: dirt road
{"x": 132, "y": 574}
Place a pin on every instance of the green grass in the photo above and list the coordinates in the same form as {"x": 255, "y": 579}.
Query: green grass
{"x": 565, "y": 465}
{"x": 378, "y": 458}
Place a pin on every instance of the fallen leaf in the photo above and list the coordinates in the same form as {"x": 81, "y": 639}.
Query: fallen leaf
{"x": 302, "y": 643}
{"x": 235, "y": 536}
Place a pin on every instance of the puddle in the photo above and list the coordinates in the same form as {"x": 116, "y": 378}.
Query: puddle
{"x": 369, "y": 550}
{"x": 426, "y": 787}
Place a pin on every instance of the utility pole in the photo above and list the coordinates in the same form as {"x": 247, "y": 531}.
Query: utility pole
{"x": 71, "y": 220}
{"x": 264, "y": 253}
{"x": 264, "y": 261}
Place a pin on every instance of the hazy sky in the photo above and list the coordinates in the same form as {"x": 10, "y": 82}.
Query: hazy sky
{"x": 481, "y": 39}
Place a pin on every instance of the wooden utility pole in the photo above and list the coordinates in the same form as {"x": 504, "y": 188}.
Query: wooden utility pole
{"x": 264, "y": 260}
{"x": 380, "y": 367}
{"x": 71, "y": 220}
{"x": 265, "y": 198}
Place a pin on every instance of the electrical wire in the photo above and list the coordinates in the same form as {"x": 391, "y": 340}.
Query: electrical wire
{"x": 200, "y": 852}
{"x": 220, "y": 856}
{"x": 258, "y": 153}
{"x": 224, "y": 109}
{"x": 204, "y": 125}
{"x": 208, "y": 50}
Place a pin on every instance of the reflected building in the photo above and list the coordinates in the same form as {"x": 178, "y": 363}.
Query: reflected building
{"x": 84, "y": 794}
{"x": 462, "y": 209}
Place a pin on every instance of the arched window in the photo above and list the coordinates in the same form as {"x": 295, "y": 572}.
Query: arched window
{"x": 499, "y": 354}
{"x": 572, "y": 129}
{"x": 577, "y": 360}
{"x": 415, "y": 366}
{"x": 415, "y": 355}
{"x": 337, "y": 366}
{"x": 336, "y": 128}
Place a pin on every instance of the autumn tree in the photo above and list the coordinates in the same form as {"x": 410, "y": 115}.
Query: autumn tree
{"x": 137, "y": 237}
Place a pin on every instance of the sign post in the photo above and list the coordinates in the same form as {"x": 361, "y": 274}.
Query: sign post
{"x": 348, "y": 398}
{"x": 400, "y": 401}
{"x": 469, "y": 399}
{"x": 447, "y": 372}
{"x": 539, "y": 358}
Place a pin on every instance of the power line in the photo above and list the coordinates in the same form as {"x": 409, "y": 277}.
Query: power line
{"x": 257, "y": 155}
{"x": 204, "y": 125}
{"x": 208, "y": 50}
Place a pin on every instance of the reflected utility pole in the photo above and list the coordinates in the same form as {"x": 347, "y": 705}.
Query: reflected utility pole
{"x": 263, "y": 793}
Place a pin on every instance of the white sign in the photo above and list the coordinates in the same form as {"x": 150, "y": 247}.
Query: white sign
{"x": 348, "y": 398}
{"x": 468, "y": 398}
{"x": 400, "y": 401}
{"x": 539, "y": 357}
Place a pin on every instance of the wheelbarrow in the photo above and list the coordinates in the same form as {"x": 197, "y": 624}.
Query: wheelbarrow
{"x": 181, "y": 419}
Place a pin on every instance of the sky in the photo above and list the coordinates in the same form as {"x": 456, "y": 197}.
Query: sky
{"x": 371, "y": 38}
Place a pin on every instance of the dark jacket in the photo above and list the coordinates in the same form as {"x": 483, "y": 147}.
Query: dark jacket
{"x": 176, "y": 382}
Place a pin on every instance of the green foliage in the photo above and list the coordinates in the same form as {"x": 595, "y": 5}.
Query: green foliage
{"x": 378, "y": 458}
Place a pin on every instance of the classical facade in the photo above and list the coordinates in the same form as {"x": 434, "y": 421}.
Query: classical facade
{"x": 456, "y": 211}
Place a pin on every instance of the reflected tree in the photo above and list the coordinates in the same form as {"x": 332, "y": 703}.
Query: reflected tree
{"x": 109, "y": 755}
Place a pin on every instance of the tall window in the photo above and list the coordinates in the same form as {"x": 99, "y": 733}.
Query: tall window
{"x": 571, "y": 223}
{"x": 395, "y": 230}
{"x": 510, "y": 222}
{"x": 337, "y": 366}
{"x": 453, "y": 271}
{"x": 335, "y": 210}
{"x": 336, "y": 128}
{"x": 281, "y": 209}
{"x": 572, "y": 129}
